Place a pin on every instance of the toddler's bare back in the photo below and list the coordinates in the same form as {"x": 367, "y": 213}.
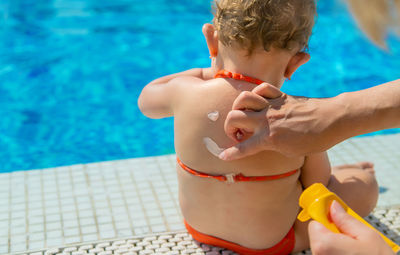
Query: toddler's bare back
{"x": 253, "y": 214}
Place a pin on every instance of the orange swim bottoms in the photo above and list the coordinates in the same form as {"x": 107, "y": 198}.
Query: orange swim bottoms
{"x": 284, "y": 247}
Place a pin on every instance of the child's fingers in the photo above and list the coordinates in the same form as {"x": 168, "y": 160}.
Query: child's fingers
{"x": 249, "y": 101}
{"x": 267, "y": 90}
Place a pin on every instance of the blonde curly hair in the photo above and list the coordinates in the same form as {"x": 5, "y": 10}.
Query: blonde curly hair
{"x": 248, "y": 24}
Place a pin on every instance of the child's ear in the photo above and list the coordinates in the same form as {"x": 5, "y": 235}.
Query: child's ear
{"x": 210, "y": 33}
{"x": 295, "y": 62}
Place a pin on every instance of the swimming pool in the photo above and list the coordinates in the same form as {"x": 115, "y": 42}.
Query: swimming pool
{"x": 71, "y": 72}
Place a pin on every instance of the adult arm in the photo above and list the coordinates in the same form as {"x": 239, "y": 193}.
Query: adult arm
{"x": 299, "y": 126}
{"x": 356, "y": 238}
{"x": 370, "y": 110}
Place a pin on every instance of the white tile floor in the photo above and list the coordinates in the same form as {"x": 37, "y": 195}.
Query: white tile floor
{"x": 107, "y": 200}
{"x": 180, "y": 242}
{"x": 384, "y": 152}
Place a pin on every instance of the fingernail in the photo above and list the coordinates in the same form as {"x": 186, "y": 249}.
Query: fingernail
{"x": 222, "y": 155}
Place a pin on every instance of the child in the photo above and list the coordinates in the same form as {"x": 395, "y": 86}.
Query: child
{"x": 248, "y": 205}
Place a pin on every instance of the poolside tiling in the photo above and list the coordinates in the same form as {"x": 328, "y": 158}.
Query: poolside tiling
{"x": 71, "y": 205}
{"x": 180, "y": 242}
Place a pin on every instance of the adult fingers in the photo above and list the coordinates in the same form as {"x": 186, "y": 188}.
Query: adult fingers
{"x": 250, "y": 101}
{"x": 346, "y": 223}
{"x": 316, "y": 229}
{"x": 267, "y": 90}
{"x": 249, "y": 147}
{"x": 248, "y": 121}
{"x": 323, "y": 241}
{"x": 317, "y": 234}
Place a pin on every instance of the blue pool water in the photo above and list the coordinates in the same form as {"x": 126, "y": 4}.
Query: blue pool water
{"x": 71, "y": 72}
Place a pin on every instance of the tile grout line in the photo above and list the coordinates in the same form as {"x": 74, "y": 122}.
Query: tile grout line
{"x": 95, "y": 216}
{"x": 108, "y": 201}
{"x": 159, "y": 206}
{"x": 124, "y": 198}
{"x": 9, "y": 211}
{"x": 173, "y": 165}
{"x": 43, "y": 208}
{"x": 75, "y": 203}
{"x": 169, "y": 191}
{"x": 27, "y": 236}
{"x": 60, "y": 206}
{"x": 140, "y": 200}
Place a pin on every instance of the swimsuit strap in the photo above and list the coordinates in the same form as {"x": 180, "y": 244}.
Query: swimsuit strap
{"x": 237, "y": 76}
{"x": 232, "y": 178}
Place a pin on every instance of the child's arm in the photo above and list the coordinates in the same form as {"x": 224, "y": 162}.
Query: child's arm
{"x": 158, "y": 97}
{"x": 316, "y": 168}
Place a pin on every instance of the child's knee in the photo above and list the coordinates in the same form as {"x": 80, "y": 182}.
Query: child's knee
{"x": 368, "y": 192}
{"x": 358, "y": 188}
{"x": 372, "y": 193}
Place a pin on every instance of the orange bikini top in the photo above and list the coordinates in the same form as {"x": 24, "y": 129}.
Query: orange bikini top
{"x": 232, "y": 178}
{"x": 237, "y": 76}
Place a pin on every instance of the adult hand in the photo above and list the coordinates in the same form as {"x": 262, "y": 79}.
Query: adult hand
{"x": 356, "y": 238}
{"x": 287, "y": 124}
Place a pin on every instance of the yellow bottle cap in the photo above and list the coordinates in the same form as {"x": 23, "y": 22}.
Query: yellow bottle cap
{"x": 312, "y": 193}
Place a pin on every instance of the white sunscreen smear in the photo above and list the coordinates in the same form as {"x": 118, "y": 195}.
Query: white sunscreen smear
{"x": 213, "y": 115}
{"x": 212, "y": 147}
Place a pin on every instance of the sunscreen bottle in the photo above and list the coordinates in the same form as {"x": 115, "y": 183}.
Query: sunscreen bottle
{"x": 316, "y": 201}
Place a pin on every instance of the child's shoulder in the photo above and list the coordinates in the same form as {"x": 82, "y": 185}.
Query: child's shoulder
{"x": 190, "y": 84}
{"x": 187, "y": 81}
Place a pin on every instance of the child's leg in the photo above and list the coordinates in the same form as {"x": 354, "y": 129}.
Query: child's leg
{"x": 356, "y": 185}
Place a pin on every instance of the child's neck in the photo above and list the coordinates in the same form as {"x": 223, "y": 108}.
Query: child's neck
{"x": 266, "y": 66}
{"x": 268, "y": 75}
